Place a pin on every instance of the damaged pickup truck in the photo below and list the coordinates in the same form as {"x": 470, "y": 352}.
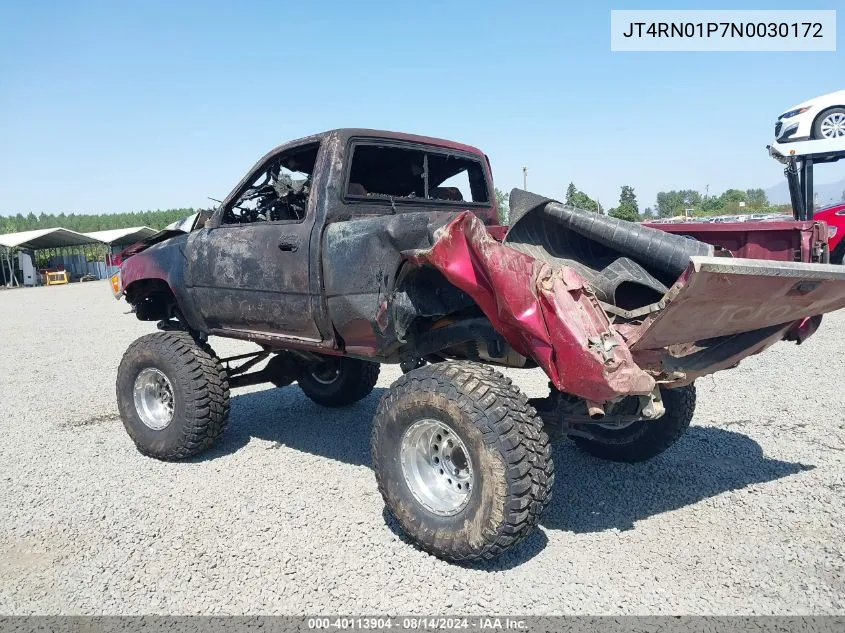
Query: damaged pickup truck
{"x": 352, "y": 248}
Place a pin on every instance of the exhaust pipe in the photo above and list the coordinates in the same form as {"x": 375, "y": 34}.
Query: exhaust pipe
{"x": 595, "y": 410}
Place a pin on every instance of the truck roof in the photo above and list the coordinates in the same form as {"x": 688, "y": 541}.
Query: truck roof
{"x": 345, "y": 133}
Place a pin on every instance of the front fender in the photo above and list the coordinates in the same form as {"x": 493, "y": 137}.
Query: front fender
{"x": 163, "y": 262}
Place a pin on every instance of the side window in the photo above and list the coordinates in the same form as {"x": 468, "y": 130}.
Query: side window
{"x": 386, "y": 171}
{"x": 279, "y": 193}
{"x": 399, "y": 173}
{"x": 455, "y": 178}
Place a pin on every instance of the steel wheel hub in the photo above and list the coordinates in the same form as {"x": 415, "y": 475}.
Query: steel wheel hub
{"x": 436, "y": 467}
{"x": 326, "y": 373}
{"x": 153, "y": 396}
{"x": 833, "y": 125}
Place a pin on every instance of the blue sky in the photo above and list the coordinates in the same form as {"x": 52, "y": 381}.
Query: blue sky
{"x": 119, "y": 106}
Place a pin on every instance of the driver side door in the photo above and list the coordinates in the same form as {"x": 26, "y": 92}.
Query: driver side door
{"x": 252, "y": 274}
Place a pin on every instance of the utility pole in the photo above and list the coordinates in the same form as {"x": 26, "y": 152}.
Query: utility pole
{"x": 706, "y": 191}
{"x": 524, "y": 178}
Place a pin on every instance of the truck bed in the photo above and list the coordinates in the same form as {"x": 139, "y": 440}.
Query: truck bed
{"x": 804, "y": 241}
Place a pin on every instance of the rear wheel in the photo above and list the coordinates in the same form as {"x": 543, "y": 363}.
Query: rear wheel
{"x": 339, "y": 381}
{"x": 830, "y": 124}
{"x": 641, "y": 440}
{"x": 173, "y": 395}
{"x": 461, "y": 460}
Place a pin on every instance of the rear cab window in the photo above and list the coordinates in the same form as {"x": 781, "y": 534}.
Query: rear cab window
{"x": 396, "y": 173}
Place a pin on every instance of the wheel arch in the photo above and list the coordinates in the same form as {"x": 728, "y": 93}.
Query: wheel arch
{"x": 818, "y": 117}
{"x": 152, "y": 298}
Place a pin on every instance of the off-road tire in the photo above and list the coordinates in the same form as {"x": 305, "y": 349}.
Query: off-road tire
{"x": 644, "y": 439}
{"x": 513, "y": 467}
{"x": 200, "y": 395}
{"x": 355, "y": 381}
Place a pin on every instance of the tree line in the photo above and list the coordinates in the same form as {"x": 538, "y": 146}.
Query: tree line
{"x": 680, "y": 203}
{"x": 86, "y": 223}
{"x": 731, "y": 202}
{"x": 626, "y": 210}
{"x": 669, "y": 204}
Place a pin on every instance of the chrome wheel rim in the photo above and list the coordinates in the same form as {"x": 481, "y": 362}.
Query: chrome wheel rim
{"x": 437, "y": 467}
{"x": 833, "y": 125}
{"x": 153, "y": 395}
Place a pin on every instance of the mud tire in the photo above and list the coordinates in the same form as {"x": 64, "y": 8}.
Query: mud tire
{"x": 513, "y": 472}
{"x": 200, "y": 395}
{"x": 354, "y": 381}
{"x": 644, "y": 439}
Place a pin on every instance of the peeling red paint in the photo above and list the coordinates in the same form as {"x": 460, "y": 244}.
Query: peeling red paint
{"x": 546, "y": 313}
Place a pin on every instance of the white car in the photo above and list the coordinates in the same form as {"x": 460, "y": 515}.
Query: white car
{"x": 822, "y": 117}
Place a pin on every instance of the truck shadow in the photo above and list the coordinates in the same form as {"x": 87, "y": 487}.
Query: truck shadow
{"x": 590, "y": 495}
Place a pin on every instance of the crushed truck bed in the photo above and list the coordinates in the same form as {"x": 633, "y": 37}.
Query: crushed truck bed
{"x": 607, "y": 307}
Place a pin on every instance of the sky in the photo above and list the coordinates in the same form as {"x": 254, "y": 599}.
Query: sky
{"x": 122, "y": 106}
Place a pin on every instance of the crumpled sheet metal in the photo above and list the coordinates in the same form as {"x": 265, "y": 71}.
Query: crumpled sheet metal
{"x": 545, "y": 313}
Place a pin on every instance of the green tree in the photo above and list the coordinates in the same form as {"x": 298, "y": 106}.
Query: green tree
{"x": 580, "y": 200}
{"x": 691, "y": 198}
{"x": 670, "y": 203}
{"x": 711, "y": 205}
{"x": 756, "y": 198}
{"x": 502, "y": 204}
{"x": 628, "y": 208}
{"x": 86, "y": 223}
{"x": 732, "y": 197}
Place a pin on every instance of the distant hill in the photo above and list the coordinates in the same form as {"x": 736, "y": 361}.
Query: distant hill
{"x": 827, "y": 193}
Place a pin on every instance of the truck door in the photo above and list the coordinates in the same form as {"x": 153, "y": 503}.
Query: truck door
{"x": 250, "y": 270}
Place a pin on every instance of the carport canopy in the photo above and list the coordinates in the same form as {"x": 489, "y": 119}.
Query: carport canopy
{"x": 123, "y": 237}
{"x": 46, "y": 238}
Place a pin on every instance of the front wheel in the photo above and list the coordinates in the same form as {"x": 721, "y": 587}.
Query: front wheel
{"x": 461, "y": 460}
{"x": 172, "y": 394}
{"x": 641, "y": 440}
{"x": 830, "y": 124}
{"x": 339, "y": 381}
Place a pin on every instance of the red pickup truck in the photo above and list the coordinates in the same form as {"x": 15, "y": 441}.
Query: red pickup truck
{"x": 352, "y": 248}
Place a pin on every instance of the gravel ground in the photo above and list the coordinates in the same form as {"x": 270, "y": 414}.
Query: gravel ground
{"x": 743, "y": 515}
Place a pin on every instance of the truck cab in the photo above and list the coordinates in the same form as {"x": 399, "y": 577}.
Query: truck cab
{"x": 255, "y": 270}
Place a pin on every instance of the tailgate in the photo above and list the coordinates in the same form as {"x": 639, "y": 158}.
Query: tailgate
{"x": 717, "y": 296}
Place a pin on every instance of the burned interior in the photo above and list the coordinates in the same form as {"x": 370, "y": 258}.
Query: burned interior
{"x": 280, "y": 191}
{"x": 412, "y": 174}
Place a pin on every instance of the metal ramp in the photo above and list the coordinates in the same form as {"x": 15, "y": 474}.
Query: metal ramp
{"x": 799, "y": 158}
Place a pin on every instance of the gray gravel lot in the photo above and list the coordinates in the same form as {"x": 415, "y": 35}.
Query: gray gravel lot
{"x": 744, "y": 515}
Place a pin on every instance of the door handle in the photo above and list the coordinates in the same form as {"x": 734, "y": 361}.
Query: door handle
{"x": 289, "y": 244}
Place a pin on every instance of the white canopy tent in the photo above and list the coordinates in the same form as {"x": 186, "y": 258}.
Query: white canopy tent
{"x": 122, "y": 237}
{"x": 40, "y": 239}
{"x": 117, "y": 240}
{"x": 46, "y": 238}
